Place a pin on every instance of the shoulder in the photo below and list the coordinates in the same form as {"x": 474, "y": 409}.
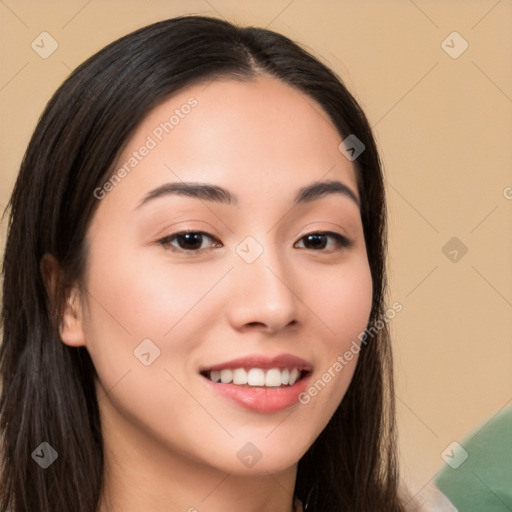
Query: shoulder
{"x": 482, "y": 477}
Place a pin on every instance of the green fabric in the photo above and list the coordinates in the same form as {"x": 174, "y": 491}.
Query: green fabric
{"x": 483, "y": 482}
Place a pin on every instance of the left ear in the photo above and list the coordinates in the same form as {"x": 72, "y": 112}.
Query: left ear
{"x": 71, "y": 326}
{"x": 71, "y": 315}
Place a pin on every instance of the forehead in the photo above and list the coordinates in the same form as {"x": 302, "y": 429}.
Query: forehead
{"x": 258, "y": 136}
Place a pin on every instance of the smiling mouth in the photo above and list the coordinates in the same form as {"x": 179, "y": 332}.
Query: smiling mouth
{"x": 257, "y": 377}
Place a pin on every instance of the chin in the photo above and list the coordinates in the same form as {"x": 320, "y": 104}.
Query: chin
{"x": 260, "y": 455}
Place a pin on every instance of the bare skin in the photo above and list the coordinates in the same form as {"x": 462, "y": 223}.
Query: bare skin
{"x": 171, "y": 444}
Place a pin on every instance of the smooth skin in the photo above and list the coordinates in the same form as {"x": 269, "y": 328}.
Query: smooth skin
{"x": 171, "y": 444}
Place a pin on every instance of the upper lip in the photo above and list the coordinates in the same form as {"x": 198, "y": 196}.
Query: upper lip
{"x": 280, "y": 361}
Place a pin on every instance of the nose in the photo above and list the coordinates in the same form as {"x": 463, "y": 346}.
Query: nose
{"x": 263, "y": 296}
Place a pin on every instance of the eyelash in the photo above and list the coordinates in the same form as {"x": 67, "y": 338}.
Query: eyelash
{"x": 165, "y": 242}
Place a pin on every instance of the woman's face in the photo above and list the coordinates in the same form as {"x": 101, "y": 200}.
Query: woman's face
{"x": 254, "y": 292}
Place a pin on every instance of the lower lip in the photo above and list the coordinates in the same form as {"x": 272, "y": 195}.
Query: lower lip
{"x": 260, "y": 399}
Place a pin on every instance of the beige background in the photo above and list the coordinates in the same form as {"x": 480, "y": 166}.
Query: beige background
{"x": 444, "y": 128}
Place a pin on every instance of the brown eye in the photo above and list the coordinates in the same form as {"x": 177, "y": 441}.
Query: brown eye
{"x": 189, "y": 241}
{"x": 323, "y": 240}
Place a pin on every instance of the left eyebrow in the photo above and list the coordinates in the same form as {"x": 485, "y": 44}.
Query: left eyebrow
{"x": 323, "y": 188}
{"x": 218, "y": 194}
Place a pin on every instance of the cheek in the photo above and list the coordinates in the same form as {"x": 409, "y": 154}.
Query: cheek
{"x": 148, "y": 300}
{"x": 342, "y": 300}
{"x": 171, "y": 305}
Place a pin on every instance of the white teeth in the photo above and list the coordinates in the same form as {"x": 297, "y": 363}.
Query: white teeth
{"x": 239, "y": 376}
{"x": 256, "y": 377}
{"x": 273, "y": 377}
{"x": 226, "y": 376}
{"x": 294, "y": 375}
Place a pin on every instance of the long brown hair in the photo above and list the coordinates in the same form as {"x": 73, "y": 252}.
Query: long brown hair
{"x": 47, "y": 387}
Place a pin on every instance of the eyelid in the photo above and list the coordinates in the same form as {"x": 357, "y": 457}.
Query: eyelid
{"x": 166, "y": 241}
{"x": 342, "y": 240}
{"x": 339, "y": 231}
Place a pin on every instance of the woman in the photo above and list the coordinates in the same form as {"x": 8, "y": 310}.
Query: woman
{"x": 194, "y": 283}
